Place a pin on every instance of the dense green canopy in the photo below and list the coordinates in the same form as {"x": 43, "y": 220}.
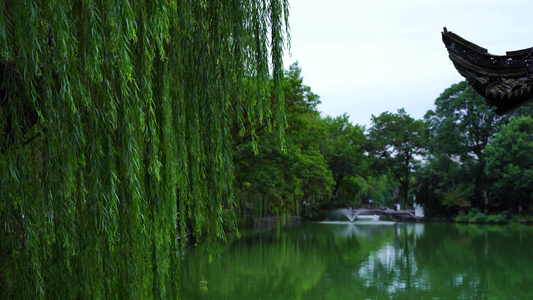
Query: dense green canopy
{"x": 396, "y": 143}
{"x": 509, "y": 161}
{"x": 115, "y": 133}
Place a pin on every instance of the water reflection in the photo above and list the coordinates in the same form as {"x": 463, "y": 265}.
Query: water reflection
{"x": 357, "y": 228}
{"x": 366, "y": 260}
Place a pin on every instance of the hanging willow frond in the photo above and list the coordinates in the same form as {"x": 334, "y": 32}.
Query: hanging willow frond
{"x": 115, "y": 119}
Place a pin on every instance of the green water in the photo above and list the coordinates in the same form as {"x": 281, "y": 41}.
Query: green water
{"x": 367, "y": 260}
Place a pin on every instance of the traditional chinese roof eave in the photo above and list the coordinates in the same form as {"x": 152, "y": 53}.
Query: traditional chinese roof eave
{"x": 503, "y": 80}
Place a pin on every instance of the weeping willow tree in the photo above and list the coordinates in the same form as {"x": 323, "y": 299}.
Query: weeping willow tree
{"x": 114, "y": 135}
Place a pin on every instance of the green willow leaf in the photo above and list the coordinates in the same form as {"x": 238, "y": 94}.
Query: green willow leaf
{"x": 115, "y": 136}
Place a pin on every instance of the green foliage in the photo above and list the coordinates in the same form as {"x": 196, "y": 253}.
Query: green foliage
{"x": 475, "y": 216}
{"x": 396, "y": 142}
{"x": 460, "y": 127}
{"x": 457, "y": 133}
{"x": 379, "y": 188}
{"x": 458, "y": 195}
{"x": 461, "y": 124}
{"x": 510, "y": 163}
{"x": 432, "y": 181}
{"x": 114, "y": 117}
{"x": 496, "y": 219}
{"x": 271, "y": 180}
{"x": 344, "y": 150}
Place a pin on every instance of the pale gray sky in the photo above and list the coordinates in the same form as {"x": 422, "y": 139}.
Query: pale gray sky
{"x": 367, "y": 57}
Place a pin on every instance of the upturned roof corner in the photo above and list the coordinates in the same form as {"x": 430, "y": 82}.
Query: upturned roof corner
{"x": 505, "y": 81}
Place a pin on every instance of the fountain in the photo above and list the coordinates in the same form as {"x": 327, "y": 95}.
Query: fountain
{"x": 349, "y": 213}
{"x": 352, "y": 214}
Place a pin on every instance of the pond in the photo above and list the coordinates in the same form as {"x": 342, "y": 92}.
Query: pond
{"x": 366, "y": 260}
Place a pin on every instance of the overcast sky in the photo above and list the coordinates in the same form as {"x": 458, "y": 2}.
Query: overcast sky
{"x": 367, "y": 57}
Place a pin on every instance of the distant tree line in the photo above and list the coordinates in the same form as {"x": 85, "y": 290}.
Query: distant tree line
{"x": 460, "y": 156}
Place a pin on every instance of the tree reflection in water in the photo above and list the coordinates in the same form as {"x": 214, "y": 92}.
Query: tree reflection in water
{"x": 366, "y": 260}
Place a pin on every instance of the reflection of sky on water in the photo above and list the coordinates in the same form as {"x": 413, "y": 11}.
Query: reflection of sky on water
{"x": 393, "y": 265}
{"x": 390, "y": 263}
{"x": 393, "y": 268}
